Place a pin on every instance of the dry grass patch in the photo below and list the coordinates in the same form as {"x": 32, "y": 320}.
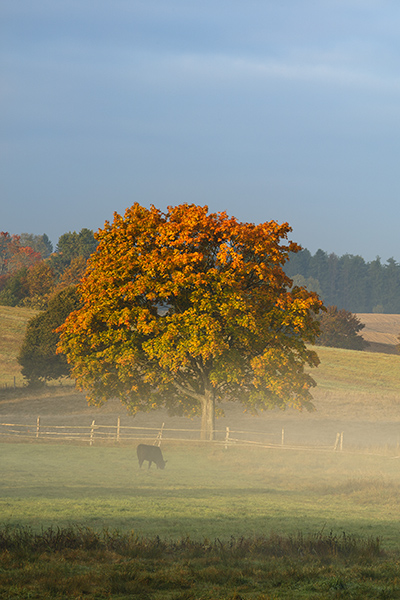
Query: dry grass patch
{"x": 379, "y": 328}
{"x": 13, "y": 322}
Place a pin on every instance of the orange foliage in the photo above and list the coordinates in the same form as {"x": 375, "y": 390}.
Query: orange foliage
{"x": 186, "y": 308}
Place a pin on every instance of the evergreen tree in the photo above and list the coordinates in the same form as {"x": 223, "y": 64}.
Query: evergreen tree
{"x": 71, "y": 245}
{"x": 392, "y": 286}
{"x": 39, "y": 243}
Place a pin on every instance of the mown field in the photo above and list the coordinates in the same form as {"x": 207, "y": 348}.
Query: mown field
{"x": 79, "y": 521}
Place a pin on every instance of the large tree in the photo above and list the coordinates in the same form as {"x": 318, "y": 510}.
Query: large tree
{"x": 183, "y": 309}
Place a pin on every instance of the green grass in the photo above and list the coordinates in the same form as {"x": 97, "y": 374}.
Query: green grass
{"x": 243, "y": 523}
{"x": 353, "y": 371}
{"x": 204, "y": 491}
{"x": 77, "y": 563}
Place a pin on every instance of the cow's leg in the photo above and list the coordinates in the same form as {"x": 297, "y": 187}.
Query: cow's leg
{"x": 150, "y": 463}
{"x": 140, "y": 463}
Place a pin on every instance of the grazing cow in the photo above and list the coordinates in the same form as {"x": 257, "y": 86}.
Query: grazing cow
{"x": 152, "y": 454}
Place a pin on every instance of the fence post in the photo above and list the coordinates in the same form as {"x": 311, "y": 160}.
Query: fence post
{"x": 92, "y": 433}
{"x": 227, "y": 438}
{"x": 283, "y": 437}
{"x": 118, "y": 427}
{"x": 337, "y": 441}
{"x": 159, "y": 436}
{"x": 37, "y": 426}
{"x": 341, "y": 441}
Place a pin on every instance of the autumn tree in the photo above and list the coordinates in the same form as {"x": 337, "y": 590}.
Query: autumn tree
{"x": 184, "y": 309}
{"x": 38, "y": 356}
{"x": 40, "y": 282}
{"x": 9, "y": 245}
{"x": 14, "y": 256}
{"x": 15, "y": 260}
{"x": 340, "y": 329}
{"x": 72, "y": 274}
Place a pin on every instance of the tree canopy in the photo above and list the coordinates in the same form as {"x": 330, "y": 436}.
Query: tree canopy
{"x": 38, "y": 356}
{"x": 30, "y": 274}
{"x": 184, "y": 309}
{"x": 339, "y": 329}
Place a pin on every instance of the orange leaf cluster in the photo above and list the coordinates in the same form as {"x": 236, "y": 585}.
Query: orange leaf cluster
{"x": 187, "y": 305}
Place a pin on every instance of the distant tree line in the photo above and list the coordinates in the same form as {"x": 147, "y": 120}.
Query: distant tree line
{"x": 31, "y": 273}
{"x": 348, "y": 282}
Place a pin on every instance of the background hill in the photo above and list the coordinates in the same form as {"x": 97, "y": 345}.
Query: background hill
{"x": 381, "y": 331}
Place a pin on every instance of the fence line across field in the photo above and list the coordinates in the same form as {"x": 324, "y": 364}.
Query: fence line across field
{"x": 89, "y": 433}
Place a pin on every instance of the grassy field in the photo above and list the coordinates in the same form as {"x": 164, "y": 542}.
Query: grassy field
{"x": 245, "y": 522}
{"x": 203, "y": 492}
{"x": 236, "y": 523}
{"x": 351, "y": 370}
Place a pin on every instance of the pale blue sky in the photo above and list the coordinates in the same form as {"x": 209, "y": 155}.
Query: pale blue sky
{"x": 284, "y": 110}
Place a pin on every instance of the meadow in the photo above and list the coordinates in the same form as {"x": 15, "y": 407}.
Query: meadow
{"x": 204, "y": 491}
{"x": 236, "y": 523}
{"x": 80, "y": 521}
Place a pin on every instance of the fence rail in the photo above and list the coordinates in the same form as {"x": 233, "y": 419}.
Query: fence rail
{"x": 95, "y": 433}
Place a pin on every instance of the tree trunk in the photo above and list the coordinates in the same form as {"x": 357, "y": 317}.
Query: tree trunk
{"x": 208, "y": 416}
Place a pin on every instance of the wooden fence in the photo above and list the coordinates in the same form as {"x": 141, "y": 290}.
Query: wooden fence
{"x": 95, "y": 433}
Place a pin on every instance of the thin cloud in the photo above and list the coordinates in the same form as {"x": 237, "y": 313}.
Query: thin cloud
{"x": 220, "y": 70}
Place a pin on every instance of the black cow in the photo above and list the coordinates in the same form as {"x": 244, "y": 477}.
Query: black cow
{"x": 152, "y": 454}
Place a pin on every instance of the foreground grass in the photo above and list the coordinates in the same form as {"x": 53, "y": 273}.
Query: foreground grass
{"x": 203, "y": 492}
{"x": 80, "y": 563}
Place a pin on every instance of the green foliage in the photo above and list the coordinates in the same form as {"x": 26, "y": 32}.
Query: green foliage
{"x": 339, "y": 329}
{"x": 29, "y": 275}
{"x": 38, "y": 356}
{"x": 15, "y": 289}
{"x": 39, "y": 243}
{"x": 349, "y": 282}
{"x": 71, "y": 245}
{"x": 310, "y": 283}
